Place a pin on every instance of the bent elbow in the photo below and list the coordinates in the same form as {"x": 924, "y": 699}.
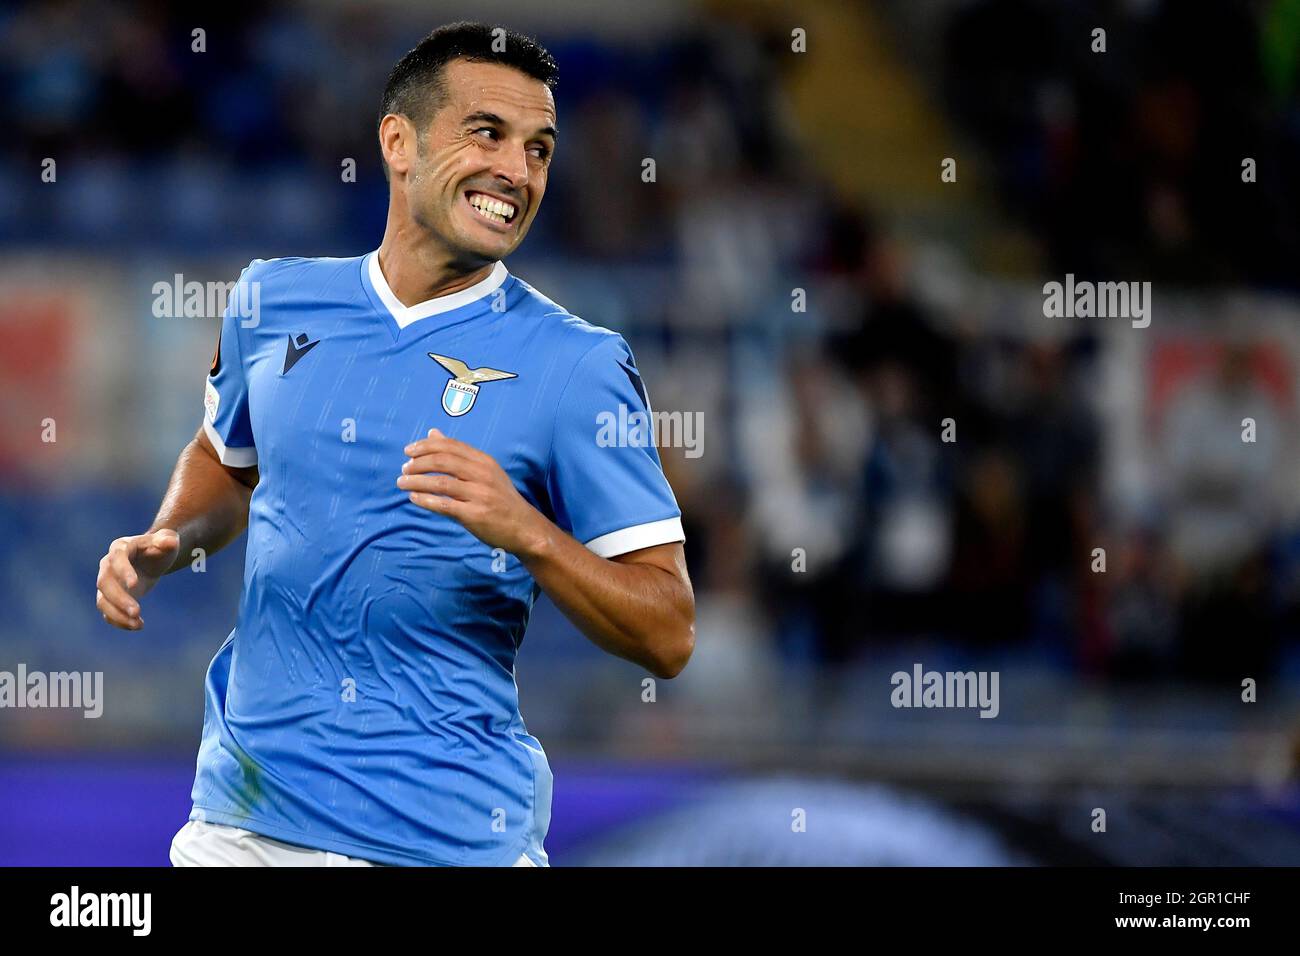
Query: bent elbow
{"x": 675, "y": 653}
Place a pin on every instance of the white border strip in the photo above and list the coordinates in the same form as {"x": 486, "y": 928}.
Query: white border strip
{"x": 404, "y": 315}
{"x": 637, "y": 537}
{"x": 234, "y": 457}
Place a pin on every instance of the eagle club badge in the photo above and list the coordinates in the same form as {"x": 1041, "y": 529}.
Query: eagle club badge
{"x": 462, "y": 388}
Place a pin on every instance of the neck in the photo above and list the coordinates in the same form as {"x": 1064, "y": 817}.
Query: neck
{"x": 418, "y": 267}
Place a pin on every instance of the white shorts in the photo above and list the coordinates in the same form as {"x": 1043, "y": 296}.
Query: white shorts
{"x": 215, "y": 844}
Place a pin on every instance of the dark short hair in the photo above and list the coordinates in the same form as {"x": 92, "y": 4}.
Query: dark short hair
{"x": 416, "y": 87}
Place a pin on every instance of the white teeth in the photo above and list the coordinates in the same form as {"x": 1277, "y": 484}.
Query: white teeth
{"x": 493, "y": 209}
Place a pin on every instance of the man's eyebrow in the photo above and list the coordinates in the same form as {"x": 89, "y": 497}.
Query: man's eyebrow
{"x": 483, "y": 117}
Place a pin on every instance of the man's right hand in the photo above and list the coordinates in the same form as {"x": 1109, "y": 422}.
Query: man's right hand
{"x": 131, "y": 568}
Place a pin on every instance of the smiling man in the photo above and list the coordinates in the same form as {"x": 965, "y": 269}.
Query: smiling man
{"x": 410, "y": 438}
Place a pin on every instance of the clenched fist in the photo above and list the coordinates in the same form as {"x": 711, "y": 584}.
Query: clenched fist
{"x": 449, "y": 477}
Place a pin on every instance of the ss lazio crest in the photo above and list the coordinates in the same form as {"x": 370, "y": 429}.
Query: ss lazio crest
{"x": 462, "y": 388}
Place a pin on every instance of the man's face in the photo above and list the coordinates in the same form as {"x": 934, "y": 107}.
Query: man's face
{"x": 480, "y": 175}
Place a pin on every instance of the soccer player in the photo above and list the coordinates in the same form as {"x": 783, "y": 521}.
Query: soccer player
{"x": 410, "y": 437}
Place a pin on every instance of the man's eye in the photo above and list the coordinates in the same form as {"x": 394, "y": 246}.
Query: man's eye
{"x": 541, "y": 152}
{"x": 492, "y": 134}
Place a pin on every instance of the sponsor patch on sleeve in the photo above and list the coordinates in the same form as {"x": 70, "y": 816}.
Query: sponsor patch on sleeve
{"x": 211, "y": 402}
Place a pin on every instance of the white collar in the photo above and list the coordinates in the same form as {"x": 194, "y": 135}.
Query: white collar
{"x": 404, "y": 315}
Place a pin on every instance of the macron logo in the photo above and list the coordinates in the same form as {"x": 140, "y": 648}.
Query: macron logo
{"x": 297, "y": 351}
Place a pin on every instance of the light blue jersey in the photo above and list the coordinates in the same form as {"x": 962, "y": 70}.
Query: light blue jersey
{"x": 365, "y": 702}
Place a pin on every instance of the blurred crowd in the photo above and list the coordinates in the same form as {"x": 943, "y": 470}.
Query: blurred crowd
{"x": 1131, "y": 159}
{"x": 833, "y": 508}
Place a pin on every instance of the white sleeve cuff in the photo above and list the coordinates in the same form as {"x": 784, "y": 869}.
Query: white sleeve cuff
{"x": 234, "y": 457}
{"x": 637, "y": 537}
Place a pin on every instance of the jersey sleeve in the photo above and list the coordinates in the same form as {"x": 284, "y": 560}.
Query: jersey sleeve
{"x": 225, "y": 397}
{"x": 606, "y": 484}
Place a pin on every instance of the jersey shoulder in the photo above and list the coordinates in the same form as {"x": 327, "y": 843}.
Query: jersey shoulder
{"x": 280, "y": 273}
{"x": 279, "y": 289}
{"x": 569, "y": 334}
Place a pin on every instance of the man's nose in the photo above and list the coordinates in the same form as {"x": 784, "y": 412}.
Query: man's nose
{"x": 512, "y": 166}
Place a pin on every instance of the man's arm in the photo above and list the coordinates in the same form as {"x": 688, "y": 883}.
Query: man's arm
{"x": 639, "y": 606}
{"x": 206, "y": 506}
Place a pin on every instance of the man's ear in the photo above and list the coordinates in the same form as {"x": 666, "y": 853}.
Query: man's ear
{"x": 397, "y": 142}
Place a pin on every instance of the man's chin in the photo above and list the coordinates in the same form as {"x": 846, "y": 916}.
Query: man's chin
{"x": 475, "y": 247}
{"x": 478, "y": 257}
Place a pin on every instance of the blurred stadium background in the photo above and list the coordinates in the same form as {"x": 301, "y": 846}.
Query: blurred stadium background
{"x": 776, "y": 171}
